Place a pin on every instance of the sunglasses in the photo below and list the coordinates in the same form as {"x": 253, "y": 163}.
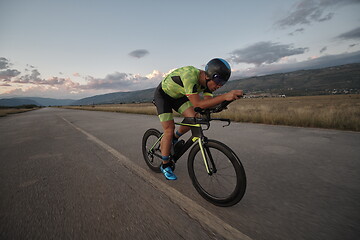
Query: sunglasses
{"x": 218, "y": 80}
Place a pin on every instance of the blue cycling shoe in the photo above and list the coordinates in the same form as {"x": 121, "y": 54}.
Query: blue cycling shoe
{"x": 168, "y": 173}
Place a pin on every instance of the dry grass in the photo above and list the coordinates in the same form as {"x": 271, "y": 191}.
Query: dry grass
{"x": 142, "y": 108}
{"x": 6, "y": 111}
{"x": 336, "y": 111}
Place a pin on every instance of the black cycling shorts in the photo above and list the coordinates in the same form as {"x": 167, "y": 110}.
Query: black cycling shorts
{"x": 165, "y": 104}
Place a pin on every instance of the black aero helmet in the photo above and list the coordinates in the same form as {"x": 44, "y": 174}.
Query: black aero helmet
{"x": 218, "y": 70}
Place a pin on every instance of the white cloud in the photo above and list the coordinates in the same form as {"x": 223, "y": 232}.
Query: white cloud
{"x": 6, "y": 75}
{"x": 4, "y": 63}
{"x": 156, "y": 75}
{"x": 123, "y": 81}
{"x": 350, "y": 35}
{"x": 323, "y": 49}
{"x": 291, "y": 65}
{"x": 299, "y": 30}
{"x": 308, "y": 11}
{"x": 264, "y": 53}
{"x": 31, "y": 81}
{"x": 139, "y": 53}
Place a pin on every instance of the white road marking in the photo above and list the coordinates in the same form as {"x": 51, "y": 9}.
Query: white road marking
{"x": 194, "y": 210}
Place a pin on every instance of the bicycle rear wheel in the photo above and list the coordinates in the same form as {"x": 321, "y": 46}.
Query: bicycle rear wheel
{"x": 151, "y": 149}
{"x": 226, "y": 185}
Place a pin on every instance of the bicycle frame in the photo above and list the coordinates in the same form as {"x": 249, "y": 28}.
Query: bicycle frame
{"x": 197, "y": 135}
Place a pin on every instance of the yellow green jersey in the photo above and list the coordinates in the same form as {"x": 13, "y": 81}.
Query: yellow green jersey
{"x": 184, "y": 82}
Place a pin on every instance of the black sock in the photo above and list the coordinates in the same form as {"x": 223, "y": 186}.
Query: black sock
{"x": 168, "y": 164}
{"x": 175, "y": 140}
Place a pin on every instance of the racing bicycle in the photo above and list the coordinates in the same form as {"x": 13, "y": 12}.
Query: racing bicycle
{"x": 215, "y": 170}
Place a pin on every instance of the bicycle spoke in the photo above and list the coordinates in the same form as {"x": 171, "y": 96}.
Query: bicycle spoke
{"x": 227, "y": 167}
{"x": 225, "y": 175}
{"x": 220, "y": 184}
{"x": 151, "y": 149}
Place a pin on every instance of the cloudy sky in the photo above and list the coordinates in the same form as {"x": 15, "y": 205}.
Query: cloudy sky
{"x": 80, "y": 48}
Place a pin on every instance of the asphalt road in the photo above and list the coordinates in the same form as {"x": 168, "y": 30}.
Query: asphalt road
{"x": 67, "y": 174}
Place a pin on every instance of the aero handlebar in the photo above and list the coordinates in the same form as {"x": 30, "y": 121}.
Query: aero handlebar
{"x": 218, "y": 108}
{"x": 205, "y": 113}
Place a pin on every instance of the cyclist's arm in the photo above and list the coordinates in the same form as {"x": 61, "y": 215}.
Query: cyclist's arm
{"x": 208, "y": 97}
{"x": 211, "y": 102}
{"x": 206, "y": 102}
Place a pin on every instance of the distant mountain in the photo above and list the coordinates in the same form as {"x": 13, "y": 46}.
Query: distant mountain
{"x": 303, "y": 82}
{"x": 118, "y": 97}
{"x": 51, "y": 101}
{"x": 13, "y": 102}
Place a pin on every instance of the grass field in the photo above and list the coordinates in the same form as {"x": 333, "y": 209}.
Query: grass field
{"x": 332, "y": 111}
{"x": 6, "y": 111}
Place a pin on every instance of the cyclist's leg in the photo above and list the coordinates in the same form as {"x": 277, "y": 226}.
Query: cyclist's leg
{"x": 163, "y": 105}
{"x": 168, "y": 128}
{"x": 187, "y": 113}
{"x": 164, "y": 108}
{"x": 187, "y": 110}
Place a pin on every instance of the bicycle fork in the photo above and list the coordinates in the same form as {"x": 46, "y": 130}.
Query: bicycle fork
{"x": 207, "y": 156}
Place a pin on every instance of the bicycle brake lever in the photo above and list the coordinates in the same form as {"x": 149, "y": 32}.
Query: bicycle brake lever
{"x": 228, "y": 123}
{"x": 207, "y": 126}
{"x": 223, "y": 120}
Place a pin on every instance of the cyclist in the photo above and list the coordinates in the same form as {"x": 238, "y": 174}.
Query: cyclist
{"x": 180, "y": 91}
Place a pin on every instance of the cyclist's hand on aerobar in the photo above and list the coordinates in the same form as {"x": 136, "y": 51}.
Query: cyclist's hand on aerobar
{"x": 233, "y": 95}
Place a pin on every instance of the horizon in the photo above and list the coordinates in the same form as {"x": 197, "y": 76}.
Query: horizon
{"x": 242, "y": 78}
{"x": 92, "y": 49}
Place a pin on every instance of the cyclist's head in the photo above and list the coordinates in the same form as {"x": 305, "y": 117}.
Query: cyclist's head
{"x": 218, "y": 70}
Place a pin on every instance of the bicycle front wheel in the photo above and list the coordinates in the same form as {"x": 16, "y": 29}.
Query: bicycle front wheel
{"x": 225, "y": 185}
{"x": 151, "y": 149}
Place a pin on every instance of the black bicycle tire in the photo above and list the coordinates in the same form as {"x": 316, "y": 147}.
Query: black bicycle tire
{"x": 147, "y": 134}
{"x": 240, "y": 188}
